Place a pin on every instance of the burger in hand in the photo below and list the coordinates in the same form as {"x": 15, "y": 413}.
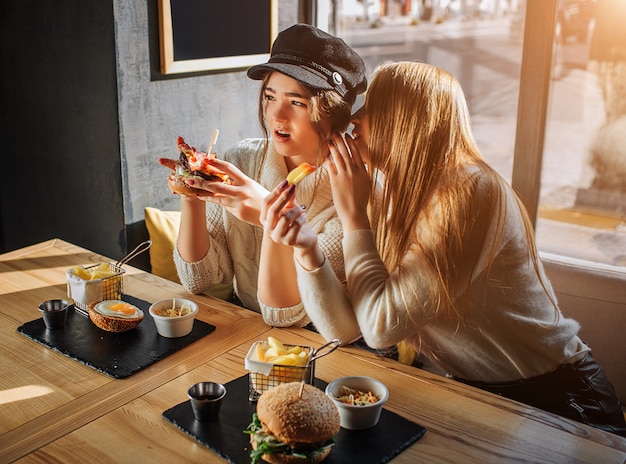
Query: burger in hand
{"x": 294, "y": 423}
{"x": 191, "y": 164}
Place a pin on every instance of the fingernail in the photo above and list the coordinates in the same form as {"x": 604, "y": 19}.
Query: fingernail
{"x": 283, "y": 184}
{"x": 291, "y": 188}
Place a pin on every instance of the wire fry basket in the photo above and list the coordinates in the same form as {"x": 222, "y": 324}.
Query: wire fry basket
{"x": 108, "y": 287}
{"x": 84, "y": 292}
{"x": 266, "y": 375}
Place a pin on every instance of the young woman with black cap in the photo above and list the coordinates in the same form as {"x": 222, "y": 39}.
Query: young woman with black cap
{"x": 452, "y": 265}
{"x": 308, "y": 88}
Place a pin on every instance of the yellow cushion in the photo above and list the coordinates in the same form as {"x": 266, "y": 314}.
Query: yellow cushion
{"x": 163, "y": 229}
{"x": 406, "y": 353}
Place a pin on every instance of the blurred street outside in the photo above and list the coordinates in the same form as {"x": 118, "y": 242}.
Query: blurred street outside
{"x": 485, "y": 55}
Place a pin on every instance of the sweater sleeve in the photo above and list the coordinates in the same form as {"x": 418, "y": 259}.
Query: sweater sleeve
{"x": 326, "y": 303}
{"x": 387, "y": 306}
{"x": 284, "y": 317}
{"x": 216, "y": 266}
{"x": 330, "y": 238}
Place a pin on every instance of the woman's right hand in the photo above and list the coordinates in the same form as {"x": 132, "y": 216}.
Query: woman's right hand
{"x": 242, "y": 198}
{"x": 285, "y": 222}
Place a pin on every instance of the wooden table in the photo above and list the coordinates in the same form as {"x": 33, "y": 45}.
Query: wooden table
{"x": 53, "y": 408}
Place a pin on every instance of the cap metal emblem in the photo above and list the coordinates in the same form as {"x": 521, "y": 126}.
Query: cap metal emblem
{"x": 337, "y": 79}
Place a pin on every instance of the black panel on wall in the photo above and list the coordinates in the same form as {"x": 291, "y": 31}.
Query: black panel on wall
{"x": 59, "y": 137}
{"x": 199, "y": 28}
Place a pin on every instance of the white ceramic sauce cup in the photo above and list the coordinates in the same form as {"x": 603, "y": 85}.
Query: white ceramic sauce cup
{"x": 173, "y": 326}
{"x": 358, "y": 417}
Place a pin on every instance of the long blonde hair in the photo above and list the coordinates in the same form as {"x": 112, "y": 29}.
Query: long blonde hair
{"x": 421, "y": 141}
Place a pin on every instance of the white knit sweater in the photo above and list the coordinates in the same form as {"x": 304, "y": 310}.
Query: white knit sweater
{"x": 236, "y": 245}
{"x": 511, "y": 331}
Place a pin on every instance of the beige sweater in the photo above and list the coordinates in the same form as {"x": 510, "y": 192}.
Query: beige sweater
{"x": 511, "y": 334}
{"x": 236, "y": 245}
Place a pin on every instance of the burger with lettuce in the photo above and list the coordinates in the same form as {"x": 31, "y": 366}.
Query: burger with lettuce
{"x": 294, "y": 423}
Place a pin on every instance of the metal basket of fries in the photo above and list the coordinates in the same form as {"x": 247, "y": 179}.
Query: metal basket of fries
{"x": 271, "y": 363}
{"x": 99, "y": 282}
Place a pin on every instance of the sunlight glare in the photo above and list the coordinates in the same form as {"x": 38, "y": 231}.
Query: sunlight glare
{"x": 23, "y": 393}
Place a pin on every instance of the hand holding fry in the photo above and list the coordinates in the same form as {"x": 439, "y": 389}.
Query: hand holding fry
{"x": 284, "y": 220}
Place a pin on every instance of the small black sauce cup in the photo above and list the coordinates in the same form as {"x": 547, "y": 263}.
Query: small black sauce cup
{"x": 206, "y": 400}
{"x": 54, "y": 313}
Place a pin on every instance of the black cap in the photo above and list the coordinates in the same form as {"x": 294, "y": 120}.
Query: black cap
{"x": 317, "y": 59}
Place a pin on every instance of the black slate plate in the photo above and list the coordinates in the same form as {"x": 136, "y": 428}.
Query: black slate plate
{"x": 117, "y": 355}
{"x": 392, "y": 435}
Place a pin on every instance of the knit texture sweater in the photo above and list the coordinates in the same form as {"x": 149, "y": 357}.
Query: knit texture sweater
{"x": 511, "y": 330}
{"x": 235, "y": 248}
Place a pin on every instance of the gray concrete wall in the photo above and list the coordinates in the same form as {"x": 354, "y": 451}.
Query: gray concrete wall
{"x": 86, "y": 115}
{"x": 153, "y": 111}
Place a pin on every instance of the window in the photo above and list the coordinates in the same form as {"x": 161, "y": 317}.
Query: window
{"x": 482, "y": 44}
{"x": 582, "y": 208}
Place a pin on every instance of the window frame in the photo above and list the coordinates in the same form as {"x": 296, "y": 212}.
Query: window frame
{"x": 534, "y": 94}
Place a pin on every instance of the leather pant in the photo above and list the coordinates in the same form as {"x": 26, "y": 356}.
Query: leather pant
{"x": 580, "y": 391}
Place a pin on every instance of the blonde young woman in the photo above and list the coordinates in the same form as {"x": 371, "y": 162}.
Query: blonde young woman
{"x": 308, "y": 87}
{"x": 452, "y": 267}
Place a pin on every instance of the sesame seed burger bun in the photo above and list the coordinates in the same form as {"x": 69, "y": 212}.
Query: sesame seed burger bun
{"x": 287, "y": 459}
{"x": 301, "y": 421}
{"x": 178, "y": 185}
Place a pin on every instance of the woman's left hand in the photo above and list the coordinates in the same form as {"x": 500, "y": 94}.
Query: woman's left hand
{"x": 350, "y": 182}
{"x": 243, "y": 198}
{"x": 285, "y": 222}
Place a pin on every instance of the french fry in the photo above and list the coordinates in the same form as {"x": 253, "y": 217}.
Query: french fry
{"x": 81, "y": 272}
{"x": 271, "y": 353}
{"x": 286, "y": 360}
{"x": 100, "y": 271}
{"x": 276, "y": 352}
{"x": 299, "y": 173}
{"x": 260, "y": 352}
{"x": 295, "y": 350}
{"x": 274, "y": 343}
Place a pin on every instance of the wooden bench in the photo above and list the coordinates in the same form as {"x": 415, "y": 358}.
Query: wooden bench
{"x": 595, "y": 295}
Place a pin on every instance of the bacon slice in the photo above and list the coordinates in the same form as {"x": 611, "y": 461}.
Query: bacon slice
{"x": 168, "y": 163}
{"x": 195, "y": 162}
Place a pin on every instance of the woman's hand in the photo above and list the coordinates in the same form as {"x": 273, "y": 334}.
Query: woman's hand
{"x": 243, "y": 198}
{"x": 285, "y": 222}
{"x": 350, "y": 182}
